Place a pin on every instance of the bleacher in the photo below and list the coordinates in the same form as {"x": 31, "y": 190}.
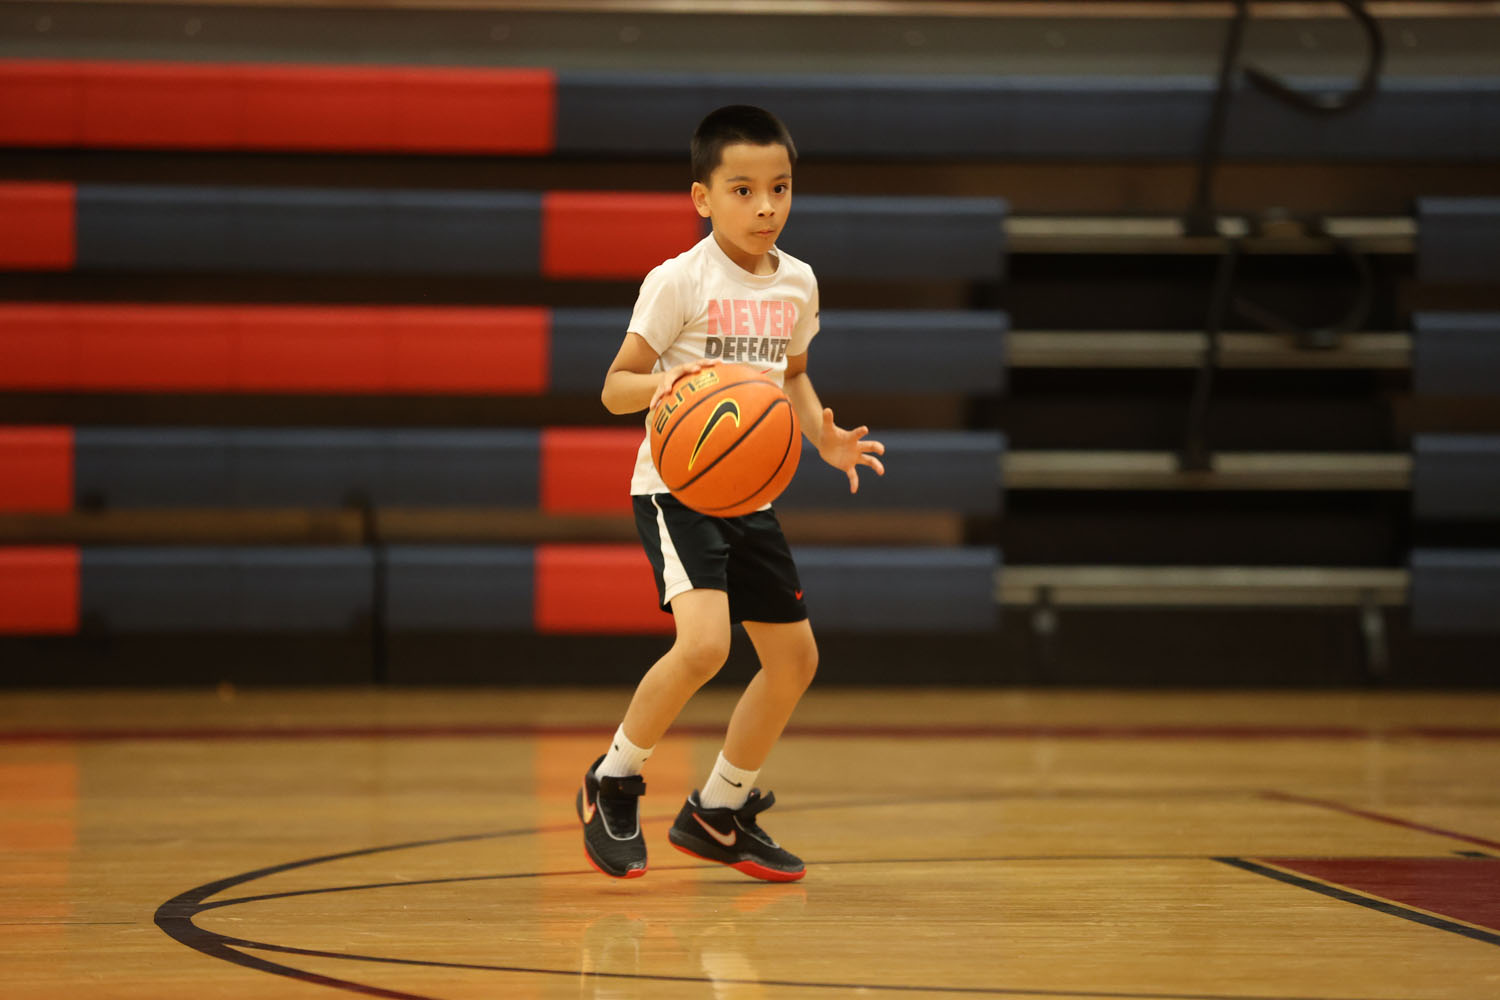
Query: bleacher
{"x": 310, "y": 345}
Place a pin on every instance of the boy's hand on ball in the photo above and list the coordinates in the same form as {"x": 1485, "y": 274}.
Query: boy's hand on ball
{"x": 848, "y": 450}
{"x": 671, "y": 375}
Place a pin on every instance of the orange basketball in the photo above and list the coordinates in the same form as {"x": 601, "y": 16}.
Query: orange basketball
{"x": 725, "y": 440}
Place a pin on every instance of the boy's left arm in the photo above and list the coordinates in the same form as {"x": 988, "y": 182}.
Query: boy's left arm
{"x": 840, "y": 448}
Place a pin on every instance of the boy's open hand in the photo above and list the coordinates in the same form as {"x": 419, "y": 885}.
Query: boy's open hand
{"x": 670, "y": 377}
{"x": 848, "y": 450}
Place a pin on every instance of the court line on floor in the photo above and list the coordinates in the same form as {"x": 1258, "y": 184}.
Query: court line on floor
{"x": 1236, "y": 732}
{"x": 176, "y": 916}
{"x": 1336, "y": 806}
{"x": 1345, "y": 895}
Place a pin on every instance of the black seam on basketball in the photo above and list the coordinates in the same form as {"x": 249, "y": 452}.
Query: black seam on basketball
{"x": 744, "y": 435}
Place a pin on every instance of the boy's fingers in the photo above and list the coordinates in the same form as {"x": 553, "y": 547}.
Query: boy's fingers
{"x": 873, "y": 447}
{"x": 875, "y": 464}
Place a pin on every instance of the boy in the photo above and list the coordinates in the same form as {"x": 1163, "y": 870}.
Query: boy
{"x": 712, "y": 572}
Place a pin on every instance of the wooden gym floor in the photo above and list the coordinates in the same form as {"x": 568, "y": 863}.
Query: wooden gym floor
{"x": 959, "y": 843}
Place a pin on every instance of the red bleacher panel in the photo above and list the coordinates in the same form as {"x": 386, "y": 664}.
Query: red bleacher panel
{"x": 587, "y": 470}
{"x": 256, "y": 106}
{"x": 614, "y": 235}
{"x": 476, "y": 110}
{"x": 151, "y": 348}
{"x": 161, "y": 348}
{"x": 319, "y": 107}
{"x": 36, "y": 469}
{"x": 312, "y": 349}
{"x": 471, "y": 350}
{"x": 39, "y": 590}
{"x": 37, "y": 230}
{"x": 37, "y": 346}
{"x": 158, "y": 105}
{"x": 43, "y": 103}
{"x": 596, "y": 588}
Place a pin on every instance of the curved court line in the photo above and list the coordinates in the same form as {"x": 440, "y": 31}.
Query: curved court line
{"x": 176, "y": 916}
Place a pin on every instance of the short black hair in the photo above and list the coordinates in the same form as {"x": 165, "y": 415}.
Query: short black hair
{"x": 736, "y": 123}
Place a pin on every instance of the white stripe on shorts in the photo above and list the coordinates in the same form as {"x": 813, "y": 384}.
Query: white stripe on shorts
{"x": 674, "y": 576}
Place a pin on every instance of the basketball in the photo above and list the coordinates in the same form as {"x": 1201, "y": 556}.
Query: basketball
{"x": 725, "y": 440}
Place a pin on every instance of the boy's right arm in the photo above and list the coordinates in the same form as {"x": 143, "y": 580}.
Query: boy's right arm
{"x": 631, "y": 385}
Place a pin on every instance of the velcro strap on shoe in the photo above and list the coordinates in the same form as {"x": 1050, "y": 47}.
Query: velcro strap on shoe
{"x": 755, "y": 804}
{"x": 614, "y": 788}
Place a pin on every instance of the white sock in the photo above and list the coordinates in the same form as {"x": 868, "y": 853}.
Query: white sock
{"x": 624, "y": 757}
{"x": 727, "y": 785}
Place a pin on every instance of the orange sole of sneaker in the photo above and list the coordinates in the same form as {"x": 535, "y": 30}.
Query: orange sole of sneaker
{"x": 750, "y": 868}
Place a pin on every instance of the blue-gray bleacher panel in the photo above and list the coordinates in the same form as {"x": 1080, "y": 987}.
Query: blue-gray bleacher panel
{"x": 1456, "y": 354}
{"x": 924, "y": 351}
{"x": 1448, "y": 118}
{"x": 914, "y": 351}
{"x": 900, "y": 239}
{"x": 460, "y": 587}
{"x": 464, "y": 468}
{"x": 584, "y": 342}
{"x": 1458, "y": 239}
{"x": 1019, "y": 116}
{"x": 292, "y": 230}
{"x": 271, "y": 468}
{"x": 152, "y": 468}
{"x": 131, "y": 227}
{"x": 929, "y": 470}
{"x": 226, "y": 589}
{"x": 900, "y": 590}
{"x": 1455, "y": 590}
{"x": 1456, "y": 476}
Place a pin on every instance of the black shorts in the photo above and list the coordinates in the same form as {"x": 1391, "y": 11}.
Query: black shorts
{"x": 747, "y": 557}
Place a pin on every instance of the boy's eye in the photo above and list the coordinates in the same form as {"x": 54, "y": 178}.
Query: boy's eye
{"x": 783, "y": 188}
{"x": 742, "y": 191}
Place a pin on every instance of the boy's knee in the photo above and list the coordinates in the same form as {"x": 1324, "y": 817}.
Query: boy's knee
{"x": 799, "y": 668}
{"x": 807, "y": 665}
{"x": 702, "y": 656}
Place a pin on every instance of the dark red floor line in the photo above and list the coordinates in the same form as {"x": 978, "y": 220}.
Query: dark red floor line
{"x": 848, "y": 731}
{"x": 1379, "y": 817}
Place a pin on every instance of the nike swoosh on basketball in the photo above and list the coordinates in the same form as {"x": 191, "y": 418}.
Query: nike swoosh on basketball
{"x": 727, "y": 839}
{"x": 727, "y": 409}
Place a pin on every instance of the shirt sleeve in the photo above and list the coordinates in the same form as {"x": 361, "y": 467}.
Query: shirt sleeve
{"x": 807, "y": 325}
{"x": 659, "y": 314}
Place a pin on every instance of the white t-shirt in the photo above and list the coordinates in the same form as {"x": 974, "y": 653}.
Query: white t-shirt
{"x": 702, "y": 305}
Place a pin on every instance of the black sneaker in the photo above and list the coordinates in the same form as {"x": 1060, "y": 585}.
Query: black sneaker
{"x": 732, "y": 837}
{"x": 611, "y": 815}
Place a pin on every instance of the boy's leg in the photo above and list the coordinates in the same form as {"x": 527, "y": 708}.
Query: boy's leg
{"x": 701, "y": 648}
{"x": 788, "y": 657}
{"x": 608, "y": 803}
{"x": 726, "y": 809}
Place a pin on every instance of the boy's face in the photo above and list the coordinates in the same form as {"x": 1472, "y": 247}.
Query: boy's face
{"x": 748, "y": 197}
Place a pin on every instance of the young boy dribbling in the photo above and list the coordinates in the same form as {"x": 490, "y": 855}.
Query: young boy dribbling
{"x": 732, "y": 297}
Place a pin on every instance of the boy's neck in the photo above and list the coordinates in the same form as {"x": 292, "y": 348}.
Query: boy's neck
{"x": 760, "y": 265}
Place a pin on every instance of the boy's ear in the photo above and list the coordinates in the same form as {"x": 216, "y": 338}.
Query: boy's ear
{"x": 700, "y": 198}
